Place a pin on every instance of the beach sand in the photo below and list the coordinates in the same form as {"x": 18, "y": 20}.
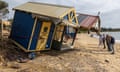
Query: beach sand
{"x": 85, "y": 57}
{"x": 106, "y": 60}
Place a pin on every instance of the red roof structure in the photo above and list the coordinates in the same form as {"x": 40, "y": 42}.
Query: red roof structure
{"x": 88, "y": 21}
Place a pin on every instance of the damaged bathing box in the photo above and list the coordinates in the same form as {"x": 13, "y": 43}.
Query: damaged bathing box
{"x": 40, "y": 26}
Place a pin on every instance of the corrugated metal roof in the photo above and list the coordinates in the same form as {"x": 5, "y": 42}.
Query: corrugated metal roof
{"x": 81, "y": 18}
{"x": 44, "y": 9}
{"x": 87, "y": 21}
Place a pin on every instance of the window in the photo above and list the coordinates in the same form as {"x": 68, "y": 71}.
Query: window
{"x": 45, "y": 29}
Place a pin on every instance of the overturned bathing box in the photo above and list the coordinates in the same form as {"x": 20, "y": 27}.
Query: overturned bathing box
{"x": 40, "y": 26}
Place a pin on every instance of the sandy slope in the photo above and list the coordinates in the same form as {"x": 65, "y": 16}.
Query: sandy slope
{"x": 101, "y": 55}
{"x": 85, "y": 57}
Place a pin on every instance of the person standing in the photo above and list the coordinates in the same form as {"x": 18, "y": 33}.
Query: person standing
{"x": 103, "y": 39}
{"x": 100, "y": 41}
{"x": 112, "y": 42}
{"x": 108, "y": 40}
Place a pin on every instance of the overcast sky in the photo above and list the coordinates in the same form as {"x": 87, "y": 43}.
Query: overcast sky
{"x": 110, "y": 9}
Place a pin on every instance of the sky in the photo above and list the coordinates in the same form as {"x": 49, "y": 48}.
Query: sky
{"x": 109, "y": 9}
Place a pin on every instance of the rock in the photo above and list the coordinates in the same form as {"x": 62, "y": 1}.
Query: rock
{"x": 20, "y": 60}
{"x": 107, "y": 61}
{"x": 14, "y": 65}
{"x": 60, "y": 58}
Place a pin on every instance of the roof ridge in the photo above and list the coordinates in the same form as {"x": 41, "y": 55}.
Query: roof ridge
{"x": 51, "y": 4}
{"x": 87, "y": 14}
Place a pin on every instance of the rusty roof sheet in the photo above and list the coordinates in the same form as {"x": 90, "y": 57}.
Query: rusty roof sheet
{"x": 87, "y": 21}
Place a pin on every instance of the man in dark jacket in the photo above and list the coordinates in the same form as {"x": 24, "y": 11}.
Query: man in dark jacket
{"x": 108, "y": 42}
{"x": 112, "y": 42}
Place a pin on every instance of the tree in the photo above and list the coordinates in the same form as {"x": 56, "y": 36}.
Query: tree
{"x": 3, "y": 7}
{"x": 3, "y": 12}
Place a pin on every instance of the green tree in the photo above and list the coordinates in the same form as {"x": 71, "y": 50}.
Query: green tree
{"x": 3, "y": 8}
{"x": 3, "y": 12}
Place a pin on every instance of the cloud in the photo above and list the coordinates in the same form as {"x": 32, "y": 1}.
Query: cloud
{"x": 106, "y": 7}
{"x": 80, "y": 5}
{"x": 111, "y": 19}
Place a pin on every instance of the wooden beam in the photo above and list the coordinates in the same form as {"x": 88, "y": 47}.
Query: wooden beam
{"x": 1, "y": 29}
{"x": 33, "y": 29}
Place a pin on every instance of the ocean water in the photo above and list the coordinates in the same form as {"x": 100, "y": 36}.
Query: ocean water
{"x": 116, "y": 35}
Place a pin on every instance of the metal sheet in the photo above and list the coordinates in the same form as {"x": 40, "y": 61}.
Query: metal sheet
{"x": 87, "y": 21}
{"x": 81, "y": 18}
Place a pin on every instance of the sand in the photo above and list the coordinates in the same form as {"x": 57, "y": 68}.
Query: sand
{"x": 85, "y": 57}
